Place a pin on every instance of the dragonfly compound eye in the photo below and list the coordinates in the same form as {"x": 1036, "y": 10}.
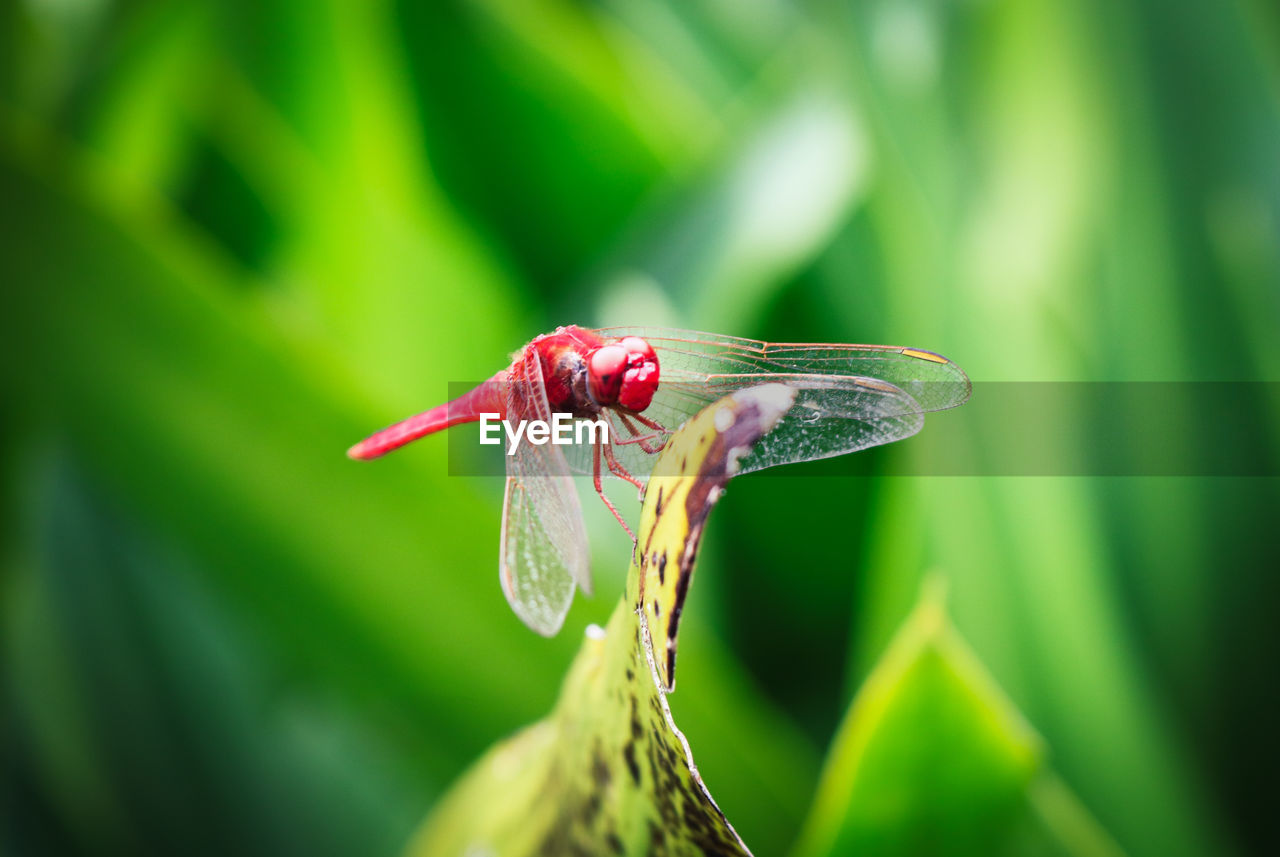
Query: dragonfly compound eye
{"x": 605, "y": 368}
{"x": 640, "y": 379}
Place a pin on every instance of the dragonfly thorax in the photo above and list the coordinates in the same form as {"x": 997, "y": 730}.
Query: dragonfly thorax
{"x": 566, "y": 383}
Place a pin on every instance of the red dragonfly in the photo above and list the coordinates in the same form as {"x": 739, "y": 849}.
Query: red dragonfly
{"x": 644, "y": 383}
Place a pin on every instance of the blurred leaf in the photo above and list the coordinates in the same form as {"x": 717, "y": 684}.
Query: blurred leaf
{"x": 372, "y": 264}
{"x": 135, "y": 114}
{"x": 719, "y": 246}
{"x": 535, "y": 126}
{"x": 933, "y": 759}
{"x": 608, "y": 771}
{"x": 173, "y": 392}
{"x": 183, "y": 399}
{"x": 137, "y": 703}
{"x": 1021, "y": 208}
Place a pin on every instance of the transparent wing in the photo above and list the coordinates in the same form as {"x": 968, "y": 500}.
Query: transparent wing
{"x": 832, "y": 415}
{"x": 543, "y": 550}
{"x": 702, "y": 359}
{"x": 849, "y": 397}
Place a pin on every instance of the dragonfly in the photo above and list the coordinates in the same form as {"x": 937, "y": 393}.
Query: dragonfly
{"x": 644, "y": 383}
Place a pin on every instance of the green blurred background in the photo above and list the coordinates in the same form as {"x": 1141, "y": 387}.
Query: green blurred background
{"x": 238, "y": 236}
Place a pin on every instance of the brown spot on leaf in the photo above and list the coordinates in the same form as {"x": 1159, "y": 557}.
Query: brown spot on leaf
{"x": 629, "y": 753}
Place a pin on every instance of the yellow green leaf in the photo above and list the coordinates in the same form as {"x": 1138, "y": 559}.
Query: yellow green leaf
{"x": 608, "y": 772}
{"x": 932, "y": 758}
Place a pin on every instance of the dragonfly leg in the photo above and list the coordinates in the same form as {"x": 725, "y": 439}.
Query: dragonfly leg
{"x": 595, "y": 478}
{"x": 653, "y": 424}
{"x": 616, "y": 468}
{"x": 643, "y": 440}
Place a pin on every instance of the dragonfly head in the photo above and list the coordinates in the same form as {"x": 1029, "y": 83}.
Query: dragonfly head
{"x": 623, "y": 373}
